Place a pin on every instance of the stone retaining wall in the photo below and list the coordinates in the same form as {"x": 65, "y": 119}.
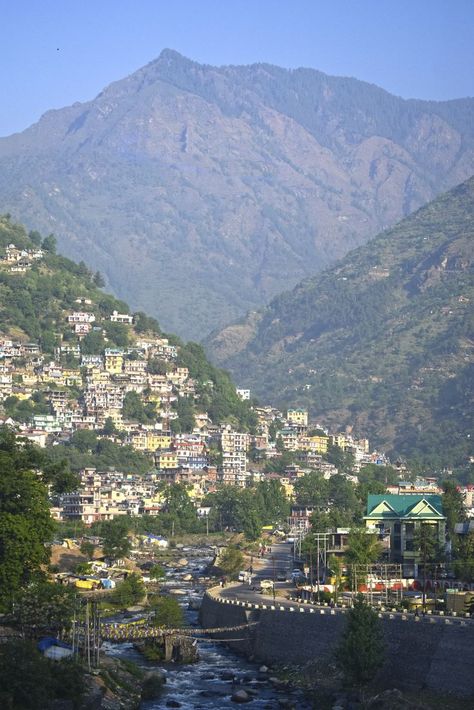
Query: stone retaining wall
{"x": 434, "y": 653}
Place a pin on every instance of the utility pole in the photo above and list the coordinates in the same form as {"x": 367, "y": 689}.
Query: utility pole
{"x": 317, "y": 569}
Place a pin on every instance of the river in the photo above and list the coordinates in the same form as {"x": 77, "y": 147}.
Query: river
{"x": 211, "y": 681}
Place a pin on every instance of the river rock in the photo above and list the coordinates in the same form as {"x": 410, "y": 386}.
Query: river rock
{"x": 263, "y": 669}
{"x": 187, "y": 577}
{"x": 173, "y": 704}
{"x": 183, "y": 562}
{"x": 208, "y": 676}
{"x": 152, "y": 685}
{"x": 227, "y": 675}
{"x": 240, "y": 696}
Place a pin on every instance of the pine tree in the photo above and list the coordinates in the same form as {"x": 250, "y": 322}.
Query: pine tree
{"x": 360, "y": 652}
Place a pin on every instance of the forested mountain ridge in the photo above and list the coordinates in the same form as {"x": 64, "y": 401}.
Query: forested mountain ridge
{"x": 201, "y": 192}
{"x": 45, "y": 301}
{"x": 384, "y": 340}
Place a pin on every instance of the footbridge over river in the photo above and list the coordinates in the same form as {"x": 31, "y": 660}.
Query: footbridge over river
{"x": 117, "y": 633}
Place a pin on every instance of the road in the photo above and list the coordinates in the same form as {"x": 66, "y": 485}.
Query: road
{"x": 279, "y": 560}
{"x": 283, "y": 557}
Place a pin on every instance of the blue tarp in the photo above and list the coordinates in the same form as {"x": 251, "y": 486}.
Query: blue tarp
{"x": 48, "y": 641}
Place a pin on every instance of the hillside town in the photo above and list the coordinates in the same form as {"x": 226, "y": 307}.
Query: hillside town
{"x": 141, "y": 396}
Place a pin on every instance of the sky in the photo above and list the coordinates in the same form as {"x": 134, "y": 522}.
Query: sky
{"x": 56, "y": 52}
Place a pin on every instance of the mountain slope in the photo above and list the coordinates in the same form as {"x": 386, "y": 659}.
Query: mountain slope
{"x": 383, "y": 340}
{"x": 201, "y": 192}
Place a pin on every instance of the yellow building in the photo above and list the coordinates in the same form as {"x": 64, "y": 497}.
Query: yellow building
{"x": 298, "y": 416}
{"x": 114, "y": 361}
{"x": 318, "y": 443}
{"x": 167, "y": 459}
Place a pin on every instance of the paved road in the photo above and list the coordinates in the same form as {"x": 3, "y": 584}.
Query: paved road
{"x": 279, "y": 560}
{"x": 283, "y": 556}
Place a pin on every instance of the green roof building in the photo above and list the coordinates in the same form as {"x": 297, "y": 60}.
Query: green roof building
{"x": 401, "y": 516}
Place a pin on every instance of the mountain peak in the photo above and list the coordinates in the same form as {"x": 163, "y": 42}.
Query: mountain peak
{"x": 236, "y": 180}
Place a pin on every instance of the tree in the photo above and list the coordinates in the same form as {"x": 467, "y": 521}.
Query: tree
{"x": 135, "y": 410}
{"x": 425, "y": 542}
{"x": 84, "y": 440}
{"x": 464, "y": 553}
{"x": 363, "y": 548}
{"x": 180, "y": 508}
{"x": 25, "y": 520}
{"x": 360, "y": 652}
{"x": 157, "y": 572}
{"x": 109, "y": 427}
{"x": 312, "y": 489}
{"x": 231, "y": 560}
{"x": 98, "y": 280}
{"x": 453, "y": 505}
{"x": 29, "y": 681}
{"x": 343, "y": 461}
{"x": 93, "y": 343}
{"x": 116, "y": 543}
{"x": 167, "y": 612}
{"x": 44, "y": 607}
{"x": 117, "y": 333}
{"x": 50, "y": 243}
{"x": 129, "y": 592}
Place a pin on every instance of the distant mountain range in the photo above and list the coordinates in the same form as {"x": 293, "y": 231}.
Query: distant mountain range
{"x": 383, "y": 340}
{"x": 201, "y": 192}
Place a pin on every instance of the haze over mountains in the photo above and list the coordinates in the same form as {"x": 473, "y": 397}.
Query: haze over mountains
{"x": 201, "y": 192}
{"x": 384, "y": 340}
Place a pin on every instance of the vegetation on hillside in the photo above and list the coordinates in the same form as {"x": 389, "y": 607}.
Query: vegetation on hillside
{"x": 34, "y": 306}
{"x": 382, "y": 341}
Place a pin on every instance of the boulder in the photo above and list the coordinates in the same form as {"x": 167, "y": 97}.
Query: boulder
{"x": 227, "y": 675}
{"x": 240, "y": 696}
{"x": 263, "y": 669}
{"x": 152, "y": 685}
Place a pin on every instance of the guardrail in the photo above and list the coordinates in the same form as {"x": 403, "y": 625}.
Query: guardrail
{"x": 296, "y": 605}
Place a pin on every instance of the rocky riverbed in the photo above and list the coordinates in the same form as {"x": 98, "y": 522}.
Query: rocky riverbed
{"x": 220, "y": 678}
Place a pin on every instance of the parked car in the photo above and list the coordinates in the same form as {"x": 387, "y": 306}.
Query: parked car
{"x": 281, "y": 576}
{"x": 243, "y": 576}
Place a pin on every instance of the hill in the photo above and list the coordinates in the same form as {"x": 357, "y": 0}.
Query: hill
{"x": 56, "y": 325}
{"x": 201, "y": 192}
{"x": 382, "y": 340}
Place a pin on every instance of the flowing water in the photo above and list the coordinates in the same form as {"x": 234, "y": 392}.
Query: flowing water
{"x": 208, "y": 683}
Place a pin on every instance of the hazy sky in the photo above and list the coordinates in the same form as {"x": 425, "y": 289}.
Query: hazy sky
{"x": 56, "y": 52}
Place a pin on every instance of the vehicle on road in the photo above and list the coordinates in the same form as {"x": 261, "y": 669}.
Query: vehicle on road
{"x": 281, "y": 576}
{"x": 266, "y": 585}
{"x": 244, "y": 576}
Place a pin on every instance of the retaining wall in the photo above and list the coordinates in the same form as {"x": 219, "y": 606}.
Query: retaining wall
{"x": 435, "y": 653}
